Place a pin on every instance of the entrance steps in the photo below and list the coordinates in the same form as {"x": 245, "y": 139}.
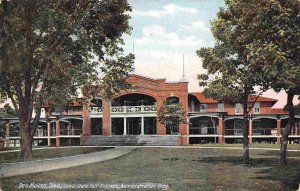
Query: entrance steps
{"x": 129, "y": 140}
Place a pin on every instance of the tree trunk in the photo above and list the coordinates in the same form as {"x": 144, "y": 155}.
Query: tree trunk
{"x": 26, "y": 142}
{"x": 245, "y": 133}
{"x": 285, "y": 133}
{"x": 27, "y": 129}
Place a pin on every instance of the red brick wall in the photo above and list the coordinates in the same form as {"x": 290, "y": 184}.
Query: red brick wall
{"x": 161, "y": 90}
{"x": 106, "y": 128}
{"x": 265, "y": 108}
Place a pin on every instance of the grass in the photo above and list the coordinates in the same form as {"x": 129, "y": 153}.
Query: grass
{"x": 49, "y": 153}
{"x": 190, "y": 169}
{"x": 254, "y": 145}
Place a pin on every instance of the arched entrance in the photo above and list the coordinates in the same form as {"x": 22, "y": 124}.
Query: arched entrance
{"x": 203, "y": 129}
{"x": 133, "y": 114}
{"x": 203, "y": 125}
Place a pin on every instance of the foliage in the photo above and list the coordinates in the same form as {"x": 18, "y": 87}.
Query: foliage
{"x": 171, "y": 113}
{"x": 51, "y": 49}
{"x": 275, "y": 51}
{"x": 276, "y": 25}
{"x": 231, "y": 77}
{"x": 7, "y": 112}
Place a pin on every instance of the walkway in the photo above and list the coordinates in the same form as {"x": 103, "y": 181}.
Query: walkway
{"x": 21, "y": 168}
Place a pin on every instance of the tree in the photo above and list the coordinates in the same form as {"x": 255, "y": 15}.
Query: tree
{"x": 50, "y": 49}
{"x": 171, "y": 115}
{"x": 275, "y": 50}
{"x": 297, "y": 109}
{"x": 230, "y": 76}
{"x": 7, "y": 111}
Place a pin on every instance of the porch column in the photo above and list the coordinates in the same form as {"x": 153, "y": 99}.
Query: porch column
{"x": 69, "y": 128}
{"x": 183, "y": 128}
{"x": 142, "y": 125}
{"x": 7, "y": 132}
{"x": 250, "y": 131}
{"x": 69, "y": 132}
{"x": 220, "y": 131}
{"x": 125, "y": 128}
{"x": 48, "y": 133}
{"x": 57, "y": 131}
{"x": 86, "y": 121}
{"x": 160, "y": 128}
{"x": 106, "y": 118}
{"x": 278, "y": 133}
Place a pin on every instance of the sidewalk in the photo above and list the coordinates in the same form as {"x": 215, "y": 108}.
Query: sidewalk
{"x": 21, "y": 168}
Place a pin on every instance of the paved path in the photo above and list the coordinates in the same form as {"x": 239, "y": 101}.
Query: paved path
{"x": 173, "y": 146}
{"x": 20, "y": 168}
{"x": 46, "y": 147}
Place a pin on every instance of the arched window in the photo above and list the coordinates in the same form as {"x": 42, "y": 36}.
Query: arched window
{"x": 96, "y": 102}
{"x": 133, "y": 100}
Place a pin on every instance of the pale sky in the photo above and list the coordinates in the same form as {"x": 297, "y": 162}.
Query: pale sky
{"x": 164, "y": 30}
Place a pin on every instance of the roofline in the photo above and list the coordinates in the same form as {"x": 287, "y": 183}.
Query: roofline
{"x": 273, "y": 100}
{"x": 146, "y": 77}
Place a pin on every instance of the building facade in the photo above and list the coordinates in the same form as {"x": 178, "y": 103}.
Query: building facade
{"x": 130, "y": 118}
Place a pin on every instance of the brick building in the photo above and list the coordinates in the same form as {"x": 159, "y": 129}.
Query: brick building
{"x": 130, "y": 118}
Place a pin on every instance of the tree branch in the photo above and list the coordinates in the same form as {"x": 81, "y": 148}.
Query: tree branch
{"x": 256, "y": 98}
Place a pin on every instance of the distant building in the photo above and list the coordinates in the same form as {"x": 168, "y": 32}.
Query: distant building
{"x": 130, "y": 119}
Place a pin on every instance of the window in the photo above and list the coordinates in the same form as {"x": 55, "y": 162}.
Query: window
{"x": 238, "y": 108}
{"x": 203, "y": 107}
{"x": 220, "y": 107}
{"x": 238, "y": 124}
{"x": 238, "y": 127}
{"x": 172, "y": 100}
{"x": 256, "y": 124}
{"x": 256, "y": 108}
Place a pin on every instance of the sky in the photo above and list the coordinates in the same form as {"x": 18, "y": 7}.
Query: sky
{"x": 165, "y": 30}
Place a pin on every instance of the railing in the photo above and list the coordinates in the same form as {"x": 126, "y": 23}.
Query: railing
{"x": 116, "y": 109}
{"x": 70, "y": 132}
{"x": 264, "y": 131}
{"x": 203, "y": 130}
{"x": 40, "y": 133}
{"x": 74, "y": 111}
{"x": 134, "y": 109}
{"x": 233, "y": 131}
{"x": 95, "y": 110}
{"x": 261, "y": 131}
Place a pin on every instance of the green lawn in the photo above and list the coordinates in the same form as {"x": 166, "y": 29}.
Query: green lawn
{"x": 254, "y": 145}
{"x": 191, "y": 169}
{"x": 48, "y": 153}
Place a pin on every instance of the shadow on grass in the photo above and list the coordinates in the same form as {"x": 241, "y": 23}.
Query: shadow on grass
{"x": 172, "y": 159}
{"x": 268, "y": 168}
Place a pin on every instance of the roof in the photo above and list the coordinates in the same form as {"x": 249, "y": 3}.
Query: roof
{"x": 261, "y": 99}
{"x": 75, "y": 103}
{"x": 203, "y": 99}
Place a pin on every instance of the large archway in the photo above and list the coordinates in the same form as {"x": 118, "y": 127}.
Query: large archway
{"x": 264, "y": 126}
{"x": 203, "y": 125}
{"x": 234, "y": 126}
{"x": 133, "y": 114}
